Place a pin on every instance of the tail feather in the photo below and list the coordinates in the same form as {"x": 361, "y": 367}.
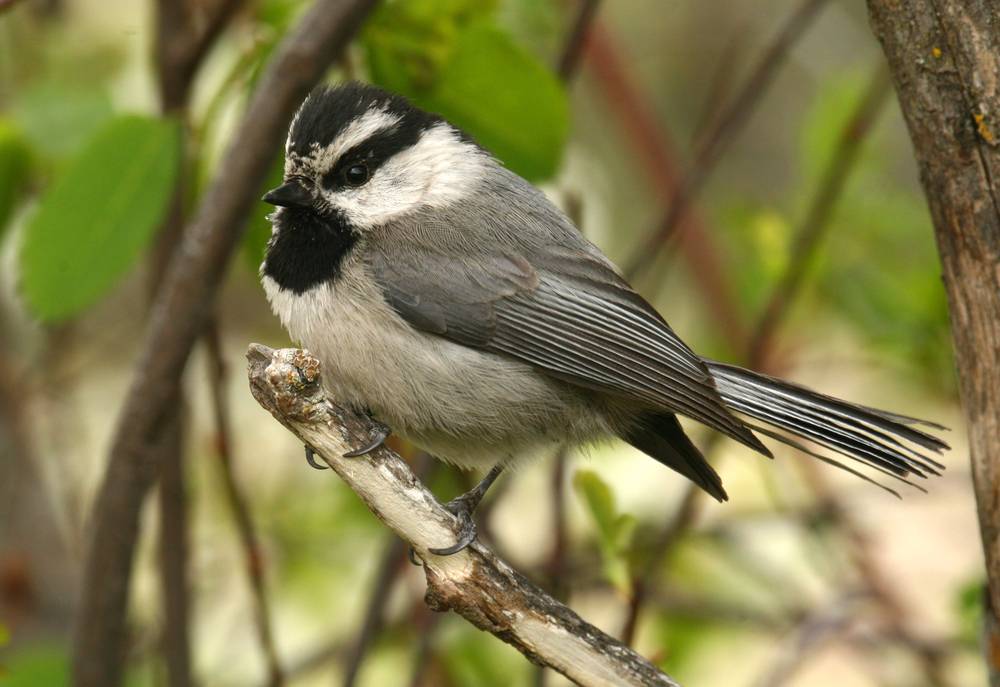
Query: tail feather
{"x": 836, "y": 463}
{"x": 871, "y": 436}
{"x": 661, "y": 436}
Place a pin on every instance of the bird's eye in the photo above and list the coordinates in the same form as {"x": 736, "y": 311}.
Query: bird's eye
{"x": 356, "y": 174}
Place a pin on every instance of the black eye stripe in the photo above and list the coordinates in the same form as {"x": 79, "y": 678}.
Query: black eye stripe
{"x": 374, "y": 151}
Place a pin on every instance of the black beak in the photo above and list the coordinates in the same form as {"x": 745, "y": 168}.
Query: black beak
{"x": 291, "y": 194}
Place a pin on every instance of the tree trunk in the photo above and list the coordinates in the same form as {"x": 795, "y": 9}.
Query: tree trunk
{"x": 945, "y": 61}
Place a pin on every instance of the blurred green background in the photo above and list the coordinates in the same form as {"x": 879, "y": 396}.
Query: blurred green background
{"x": 775, "y": 587}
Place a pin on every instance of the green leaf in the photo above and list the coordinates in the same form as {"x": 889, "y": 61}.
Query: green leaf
{"x": 15, "y": 158}
{"x": 94, "y": 221}
{"x": 506, "y": 99}
{"x": 459, "y": 64}
{"x": 58, "y": 118}
{"x": 409, "y": 41}
{"x": 969, "y": 609}
{"x": 42, "y": 665}
{"x": 615, "y": 531}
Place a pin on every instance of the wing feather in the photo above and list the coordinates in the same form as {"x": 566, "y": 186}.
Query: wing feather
{"x": 574, "y": 319}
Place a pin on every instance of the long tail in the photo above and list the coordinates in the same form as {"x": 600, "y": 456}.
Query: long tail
{"x": 882, "y": 440}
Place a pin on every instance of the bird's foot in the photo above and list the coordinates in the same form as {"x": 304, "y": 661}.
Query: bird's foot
{"x": 379, "y": 436}
{"x": 462, "y": 508}
{"x": 311, "y": 459}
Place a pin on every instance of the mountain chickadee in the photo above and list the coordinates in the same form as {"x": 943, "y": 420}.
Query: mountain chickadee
{"x": 448, "y": 298}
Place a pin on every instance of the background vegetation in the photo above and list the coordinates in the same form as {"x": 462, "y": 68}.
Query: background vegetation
{"x": 735, "y": 162}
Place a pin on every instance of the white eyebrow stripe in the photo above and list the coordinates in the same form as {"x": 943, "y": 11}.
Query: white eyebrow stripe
{"x": 358, "y": 131}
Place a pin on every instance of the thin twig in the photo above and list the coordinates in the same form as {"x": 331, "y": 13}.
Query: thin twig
{"x": 569, "y": 58}
{"x": 391, "y": 563}
{"x": 815, "y": 631}
{"x": 811, "y": 231}
{"x": 183, "y": 41}
{"x": 725, "y": 130}
{"x": 658, "y": 157}
{"x": 426, "y": 625}
{"x": 720, "y": 85}
{"x": 181, "y": 44}
{"x": 239, "y": 506}
{"x": 644, "y": 581}
{"x": 182, "y": 308}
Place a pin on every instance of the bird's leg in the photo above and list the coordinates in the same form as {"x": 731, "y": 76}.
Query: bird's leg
{"x": 463, "y": 507}
{"x": 311, "y": 459}
{"x": 379, "y": 436}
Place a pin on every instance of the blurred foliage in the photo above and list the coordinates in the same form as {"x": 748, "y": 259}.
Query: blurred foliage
{"x": 94, "y": 221}
{"x": 35, "y": 667}
{"x": 15, "y": 160}
{"x": 896, "y": 303}
{"x": 614, "y": 529}
{"x": 452, "y": 58}
{"x": 58, "y": 117}
{"x": 476, "y": 658}
{"x": 969, "y": 600}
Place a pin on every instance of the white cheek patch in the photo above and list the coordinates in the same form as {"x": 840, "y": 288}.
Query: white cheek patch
{"x": 323, "y": 158}
{"x": 439, "y": 169}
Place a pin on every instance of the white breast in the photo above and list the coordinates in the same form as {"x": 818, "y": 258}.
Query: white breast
{"x": 463, "y": 405}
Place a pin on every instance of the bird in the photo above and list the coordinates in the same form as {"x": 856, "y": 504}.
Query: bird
{"x": 450, "y": 300}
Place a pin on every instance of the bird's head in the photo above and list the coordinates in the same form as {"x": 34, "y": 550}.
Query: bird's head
{"x": 358, "y": 157}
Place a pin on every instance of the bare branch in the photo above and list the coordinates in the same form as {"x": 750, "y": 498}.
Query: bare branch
{"x": 237, "y": 502}
{"x": 181, "y": 310}
{"x": 173, "y": 549}
{"x": 656, "y": 152}
{"x": 474, "y": 582}
{"x": 569, "y": 59}
{"x": 813, "y": 228}
{"x": 390, "y": 562}
{"x": 723, "y": 132}
{"x": 184, "y": 36}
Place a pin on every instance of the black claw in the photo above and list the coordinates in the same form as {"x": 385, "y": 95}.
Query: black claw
{"x": 467, "y": 536}
{"x": 462, "y": 508}
{"x": 382, "y": 432}
{"x": 311, "y": 459}
{"x": 412, "y": 555}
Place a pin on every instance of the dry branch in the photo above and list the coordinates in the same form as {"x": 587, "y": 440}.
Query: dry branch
{"x": 474, "y": 583}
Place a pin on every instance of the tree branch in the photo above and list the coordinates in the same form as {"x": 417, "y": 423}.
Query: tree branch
{"x": 474, "y": 582}
{"x": 943, "y": 57}
{"x": 178, "y": 318}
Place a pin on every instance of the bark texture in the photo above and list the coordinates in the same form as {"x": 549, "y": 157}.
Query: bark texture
{"x": 474, "y": 583}
{"x": 944, "y": 56}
